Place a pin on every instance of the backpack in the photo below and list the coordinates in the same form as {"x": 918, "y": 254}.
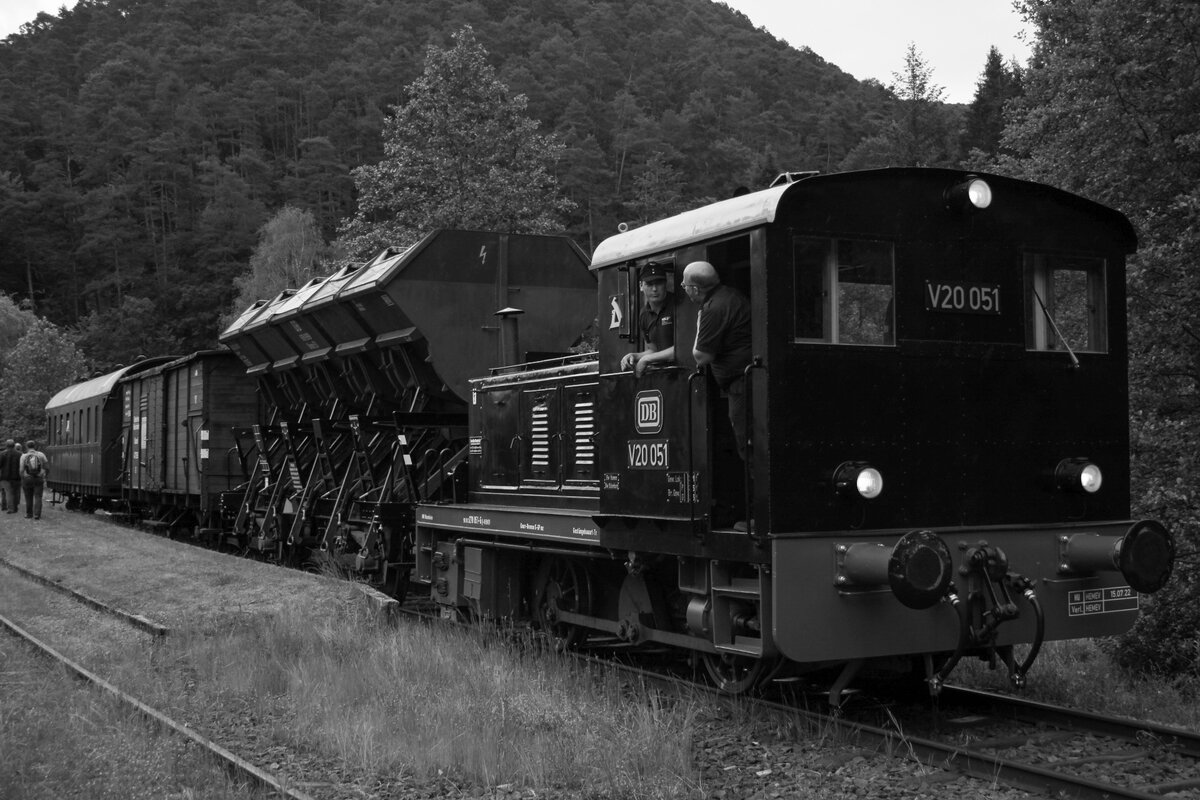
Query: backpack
{"x": 33, "y": 467}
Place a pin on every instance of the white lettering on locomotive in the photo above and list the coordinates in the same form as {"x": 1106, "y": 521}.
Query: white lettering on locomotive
{"x": 649, "y": 454}
{"x": 648, "y": 412}
{"x": 973, "y": 298}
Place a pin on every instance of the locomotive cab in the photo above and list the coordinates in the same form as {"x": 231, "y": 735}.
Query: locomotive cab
{"x": 661, "y": 455}
{"x": 937, "y": 415}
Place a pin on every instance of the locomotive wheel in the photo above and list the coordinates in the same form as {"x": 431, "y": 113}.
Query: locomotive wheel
{"x": 564, "y": 586}
{"x": 734, "y": 674}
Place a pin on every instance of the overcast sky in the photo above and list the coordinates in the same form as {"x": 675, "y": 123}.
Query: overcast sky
{"x": 867, "y": 38}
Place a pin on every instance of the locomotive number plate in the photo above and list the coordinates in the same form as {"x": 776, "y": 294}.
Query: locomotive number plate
{"x": 647, "y": 454}
{"x": 962, "y": 298}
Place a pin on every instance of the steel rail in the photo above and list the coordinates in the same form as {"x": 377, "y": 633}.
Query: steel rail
{"x": 1180, "y": 740}
{"x": 973, "y": 763}
{"x": 136, "y": 620}
{"x": 232, "y": 762}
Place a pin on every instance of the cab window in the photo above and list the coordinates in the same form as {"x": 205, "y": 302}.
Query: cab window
{"x": 1065, "y": 304}
{"x": 844, "y": 291}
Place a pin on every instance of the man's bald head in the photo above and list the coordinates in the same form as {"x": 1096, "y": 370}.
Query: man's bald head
{"x": 701, "y": 274}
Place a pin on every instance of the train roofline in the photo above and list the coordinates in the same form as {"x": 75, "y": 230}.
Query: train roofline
{"x": 759, "y": 208}
{"x": 724, "y": 216}
{"x": 102, "y": 384}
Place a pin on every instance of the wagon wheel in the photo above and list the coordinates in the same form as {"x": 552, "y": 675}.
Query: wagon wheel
{"x": 565, "y": 586}
{"x": 734, "y": 674}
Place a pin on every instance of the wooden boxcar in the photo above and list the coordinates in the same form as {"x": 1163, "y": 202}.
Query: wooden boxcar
{"x": 179, "y": 420}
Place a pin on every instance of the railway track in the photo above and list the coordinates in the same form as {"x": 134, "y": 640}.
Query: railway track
{"x": 239, "y": 768}
{"x": 1045, "y": 749}
{"x": 1092, "y": 755}
{"x": 992, "y": 739}
{"x": 998, "y": 739}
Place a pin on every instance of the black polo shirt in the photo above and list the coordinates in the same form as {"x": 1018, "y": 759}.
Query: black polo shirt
{"x": 658, "y": 329}
{"x": 723, "y": 329}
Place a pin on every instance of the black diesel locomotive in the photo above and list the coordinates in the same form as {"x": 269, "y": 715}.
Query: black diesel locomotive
{"x": 937, "y": 447}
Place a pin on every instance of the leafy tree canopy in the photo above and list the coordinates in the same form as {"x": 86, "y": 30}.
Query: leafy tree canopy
{"x": 43, "y": 361}
{"x": 289, "y": 254}
{"x": 1111, "y": 109}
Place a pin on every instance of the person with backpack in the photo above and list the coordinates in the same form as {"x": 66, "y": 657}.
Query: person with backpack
{"x": 10, "y": 477}
{"x": 34, "y": 469}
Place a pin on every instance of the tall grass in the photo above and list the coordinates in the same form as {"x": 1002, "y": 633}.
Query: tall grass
{"x": 419, "y": 700}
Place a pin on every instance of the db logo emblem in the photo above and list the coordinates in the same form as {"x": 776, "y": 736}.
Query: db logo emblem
{"x": 648, "y": 412}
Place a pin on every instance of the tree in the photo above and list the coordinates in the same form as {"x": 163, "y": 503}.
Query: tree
{"x": 14, "y": 322}
{"x": 124, "y": 335}
{"x": 42, "y": 362}
{"x": 289, "y": 252}
{"x": 1111, "y": 110}
{"x": 919, "y": 133}
{"x": 923, "y": 132}
{"x": 459, "y": 153}
{"x": 985, "y": 117}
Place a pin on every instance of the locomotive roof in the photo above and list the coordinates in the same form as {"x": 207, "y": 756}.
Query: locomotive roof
{"x": 759, "y": 208}
{"x": 724, "y": 216}
{"x": 102, "y": 384}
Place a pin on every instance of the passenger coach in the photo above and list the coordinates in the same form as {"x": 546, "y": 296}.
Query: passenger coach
{"x": 83, "y": 437}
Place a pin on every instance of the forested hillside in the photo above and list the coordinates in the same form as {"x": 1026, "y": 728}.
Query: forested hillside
{"x": 151, "y": 151}
{"x": 146, "y": 142}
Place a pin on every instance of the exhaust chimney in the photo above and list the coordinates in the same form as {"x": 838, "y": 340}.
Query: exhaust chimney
{"x": 510, "y": 345}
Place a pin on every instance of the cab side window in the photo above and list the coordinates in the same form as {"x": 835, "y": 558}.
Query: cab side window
{"x": 845, "y": 290}
{"x": 1066, "y": 306}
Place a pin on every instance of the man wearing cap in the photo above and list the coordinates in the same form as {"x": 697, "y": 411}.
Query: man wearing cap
{"x": 656, "y": 322}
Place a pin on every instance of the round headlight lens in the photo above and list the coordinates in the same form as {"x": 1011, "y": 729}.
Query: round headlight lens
{"x": 1090, "y": 478}
{"x": 979, "y": 193}
{"x": 869, "y": 483}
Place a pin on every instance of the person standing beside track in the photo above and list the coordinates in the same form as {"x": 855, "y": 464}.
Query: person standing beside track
{"x": 10, "y": 477}
{"x": 34, "y": 469}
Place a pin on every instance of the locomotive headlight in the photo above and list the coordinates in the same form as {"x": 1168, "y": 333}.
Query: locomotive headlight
{"x": 979, "y": 193}
{"x": 858, "y": 479}
{"x": 973, "y": 193}
{"x": 1078, "y": 475}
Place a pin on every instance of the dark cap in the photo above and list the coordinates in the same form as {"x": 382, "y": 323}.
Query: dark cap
{"x": 654, "y": 272}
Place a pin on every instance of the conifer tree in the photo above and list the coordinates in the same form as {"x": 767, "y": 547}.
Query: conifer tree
{"x": 985, "y": 117}
{"x": 461, "y": 153}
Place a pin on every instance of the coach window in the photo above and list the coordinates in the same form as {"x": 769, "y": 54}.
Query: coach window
{"x": 1065, "y": 306}
{"x": 844, "y": 291}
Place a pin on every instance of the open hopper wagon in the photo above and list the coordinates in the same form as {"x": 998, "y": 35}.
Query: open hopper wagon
{"x": 367, "y": 371}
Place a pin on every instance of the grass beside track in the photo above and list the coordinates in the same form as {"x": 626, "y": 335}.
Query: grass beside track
{"x": 416, "y": 702}
{"x": 290, "y": 673}
{"x": 283, "y": 667}
{"x": 61, "y": 739}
